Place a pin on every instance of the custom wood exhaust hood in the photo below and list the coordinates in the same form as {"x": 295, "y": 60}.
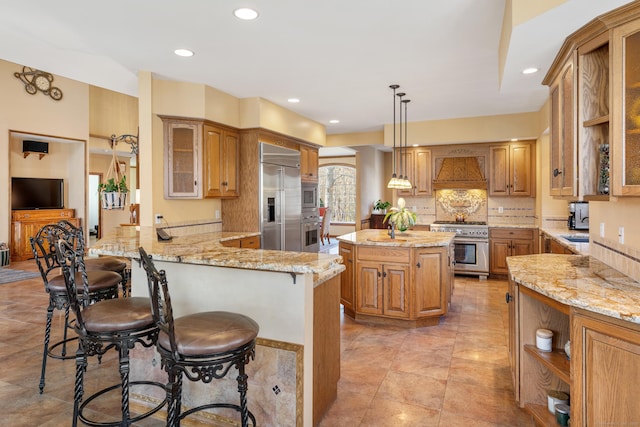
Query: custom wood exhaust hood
{"x": 460, "y": 173}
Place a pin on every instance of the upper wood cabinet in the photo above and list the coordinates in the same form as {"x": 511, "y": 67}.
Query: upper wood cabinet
{"x": 308, "y": 164}
{"x": 512, "y": 169}
{"x": 595, "y": 101}
{"x": 201, "y": 159}
{"x": 625, "y": 149}
{"x": 416, "y": 164}
{"x": 182, "y": 159}
{"x": 221, "y": 151}
{"x": 563, "y": 134}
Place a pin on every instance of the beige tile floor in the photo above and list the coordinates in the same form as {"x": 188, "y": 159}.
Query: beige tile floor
{"x": 454, "y": 374}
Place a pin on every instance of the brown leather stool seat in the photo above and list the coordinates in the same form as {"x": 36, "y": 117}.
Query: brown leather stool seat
{"x": 210, "y": 333}
{"x": 117, "y": 324}
{"x": 200, "y": 346}
{"x": 101, "y": 284}
{"x": 98, "y": 281}
{"x": 108, "y": 263}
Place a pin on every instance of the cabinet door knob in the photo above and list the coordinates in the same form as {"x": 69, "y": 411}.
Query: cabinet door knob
{"x": 418, "y": 265}
{"x": 384, "y": 274}
{"x": 508, "y": 298}
{"x": 556, "y": 172}
{"x": 379, "y": 274}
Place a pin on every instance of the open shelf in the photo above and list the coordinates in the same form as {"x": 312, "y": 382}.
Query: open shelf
{"x": 541, "y": 415}
{"x": 595, "y": 197}
{"x": 596, "y": 121}
{"x": 556, "y": 361}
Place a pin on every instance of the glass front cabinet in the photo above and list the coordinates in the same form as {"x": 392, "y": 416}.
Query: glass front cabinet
{"x": 625, "y": 150}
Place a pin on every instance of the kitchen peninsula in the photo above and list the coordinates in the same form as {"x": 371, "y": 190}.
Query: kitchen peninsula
{"x": 406, "y": 280}
{"x": 293, "y": 296}
{"x": 597, "y": 309}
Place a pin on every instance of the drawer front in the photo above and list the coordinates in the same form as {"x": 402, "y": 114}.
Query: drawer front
{"x": 512, "y": 233}
{"x": 383, "y": 254}
{"x": 252, "y": 242}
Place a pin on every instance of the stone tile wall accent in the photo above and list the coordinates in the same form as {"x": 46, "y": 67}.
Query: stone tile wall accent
{"x": 471, "y": 203}
{"x": 623, "y": 258}
{"x": 515, "y": 210}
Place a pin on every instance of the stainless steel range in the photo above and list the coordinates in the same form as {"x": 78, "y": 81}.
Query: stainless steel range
{"x": 471, "y": 246}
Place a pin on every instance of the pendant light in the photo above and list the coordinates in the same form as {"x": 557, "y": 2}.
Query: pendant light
{"x": 401, "y": 176}
{"x": 405, "y": 182}
{"x": 393, "y": 182}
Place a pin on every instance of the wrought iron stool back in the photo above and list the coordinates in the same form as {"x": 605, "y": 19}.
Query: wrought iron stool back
{"x": 102, "y": 286}
{"x": 117, "y": 324}
{"x": 224, "y": 340}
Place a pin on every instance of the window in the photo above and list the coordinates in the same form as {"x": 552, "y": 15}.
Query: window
{"x": 337, "y": 189}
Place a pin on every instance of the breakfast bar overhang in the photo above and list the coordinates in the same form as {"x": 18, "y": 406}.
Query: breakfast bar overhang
{"x": 294, "y": 297}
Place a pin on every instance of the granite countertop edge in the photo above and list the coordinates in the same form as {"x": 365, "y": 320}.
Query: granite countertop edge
{"x": 207, "y": 249}
{"x": 579, "y": 281}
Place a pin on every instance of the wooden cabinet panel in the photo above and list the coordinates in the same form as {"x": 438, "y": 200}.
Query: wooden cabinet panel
{"x": 505, "y": 242}
{"x": 252, "y": 242}
{"x": 26, "y": 224}
{"x": 512, "y": 170}
{"x": 431, "y": 269}
{"x": 309, "y": 164}
{"x": 415, "y": 163}
{"x": 605, "y": 356}
{"x": 221, "y": 152}
{"x": 396, "y": 290}
{"x": 347, "y": 290}
{"x": 563, "y": 131}
{"x": 369, "y": 297}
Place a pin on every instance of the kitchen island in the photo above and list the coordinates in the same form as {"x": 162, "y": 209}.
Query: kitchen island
{"x": 293, "y": 296}
{"x": 406, "y": 280}
{"x": 597, "y": 309}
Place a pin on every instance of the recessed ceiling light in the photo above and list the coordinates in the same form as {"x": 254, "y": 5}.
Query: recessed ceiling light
{"x": 293, "y": 100}
{"x": 529, "y": 70}
{"x": 415, "y": 145}
{"x": 514, "y": 139}
{"x": 334, "y": 121}
{"x": 245, "y": 14}
{"x": 183, "y": 52}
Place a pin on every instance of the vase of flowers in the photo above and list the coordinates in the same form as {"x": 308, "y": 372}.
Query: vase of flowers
{"x": 402, "y": 218}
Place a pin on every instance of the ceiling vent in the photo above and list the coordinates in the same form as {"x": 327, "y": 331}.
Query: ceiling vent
{"x": 460, "y": 173}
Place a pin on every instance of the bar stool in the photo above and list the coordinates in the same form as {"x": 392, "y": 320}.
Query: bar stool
{"x": 102, "y": 285}
{"x": 202, "y": 346}
{"x": 103, "y": 263}
{"x": 117, "y": 324}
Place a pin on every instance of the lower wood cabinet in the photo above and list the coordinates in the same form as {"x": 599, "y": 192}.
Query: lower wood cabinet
{"x": 347, "y": 289}
{"x": 505, "y": 242}
{"x": 605, "y": 359}
{"x": 26, "y": 224}
{"x": 409, "y": 285}
{"x": 252, "y": 242}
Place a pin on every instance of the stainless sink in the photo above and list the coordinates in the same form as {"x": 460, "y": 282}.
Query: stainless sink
{"x": 576, "y": 238}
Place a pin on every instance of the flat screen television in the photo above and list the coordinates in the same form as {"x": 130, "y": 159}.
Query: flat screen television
{"x": 37, "y": 193}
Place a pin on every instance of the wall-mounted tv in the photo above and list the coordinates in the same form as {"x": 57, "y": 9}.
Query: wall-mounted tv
{"x": 37, "y": 193}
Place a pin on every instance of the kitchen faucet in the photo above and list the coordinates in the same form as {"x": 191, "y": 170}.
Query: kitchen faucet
{"x": 392, "y": 230}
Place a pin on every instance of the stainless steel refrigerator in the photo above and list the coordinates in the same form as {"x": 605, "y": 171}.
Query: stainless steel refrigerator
{"x": 280, "y": 195}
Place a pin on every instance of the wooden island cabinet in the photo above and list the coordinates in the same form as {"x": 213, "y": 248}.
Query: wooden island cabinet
{"x": 404, "y": 281}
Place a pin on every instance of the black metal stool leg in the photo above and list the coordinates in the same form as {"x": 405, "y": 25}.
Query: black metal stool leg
{"x": 66, "y": 326}
{"x": 174, "y": 391}
{"x": 81, "y": 367}
{"x": 47, "y": 337}
{"x": 124, "y": 376}
{"x": 242, "y": 389}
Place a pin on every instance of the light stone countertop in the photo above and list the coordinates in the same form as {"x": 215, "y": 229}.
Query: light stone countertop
{"x": 407, "y": 239}
{"x": 206, "y": 249}
{"x": 579, "y": 281}
{"x": 557, "y": 235}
